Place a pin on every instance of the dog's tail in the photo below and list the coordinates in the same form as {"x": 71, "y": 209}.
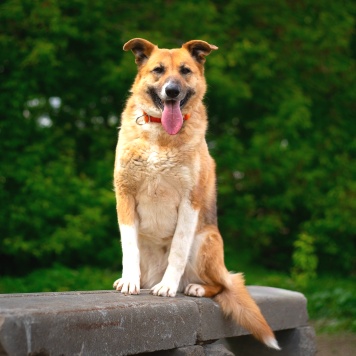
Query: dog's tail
{"x": 236, "y": 301}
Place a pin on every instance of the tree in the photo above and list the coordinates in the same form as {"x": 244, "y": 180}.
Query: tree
{"x": 281, "y": 106}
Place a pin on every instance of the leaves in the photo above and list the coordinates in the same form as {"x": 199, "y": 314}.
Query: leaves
{"x": 304, "y": 260}
{"x": 281, "y": 102}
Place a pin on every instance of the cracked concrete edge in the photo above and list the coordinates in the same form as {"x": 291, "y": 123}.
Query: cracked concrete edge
{"x": 93, "y": 317}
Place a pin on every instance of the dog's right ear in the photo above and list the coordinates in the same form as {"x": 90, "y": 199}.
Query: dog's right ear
{"x": 141, "y": 48}
{"x": 199, "y": 49}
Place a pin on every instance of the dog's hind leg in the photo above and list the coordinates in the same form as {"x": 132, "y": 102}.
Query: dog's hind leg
{"x": 202, "y": 290}
{"x": 230, "y": 290}
{"x": 208, "y": 264}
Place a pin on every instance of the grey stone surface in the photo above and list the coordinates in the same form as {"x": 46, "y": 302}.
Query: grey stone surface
{"x": 195, "y": 350}
{"x": 216, "y": 350}
{"x": 283, "y": 309}
{"x": 293, "y": 342}
{"x": 102, "y": 323}
{"x": 109, "y": 323}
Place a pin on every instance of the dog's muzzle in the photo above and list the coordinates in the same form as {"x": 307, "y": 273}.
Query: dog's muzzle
{"x": 172, "y": 90}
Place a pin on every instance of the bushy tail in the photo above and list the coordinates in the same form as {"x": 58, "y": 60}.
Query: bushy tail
{"x": 236, "y": 301}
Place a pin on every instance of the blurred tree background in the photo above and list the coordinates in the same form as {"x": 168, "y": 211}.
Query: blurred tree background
{"x": 281, "y": 102}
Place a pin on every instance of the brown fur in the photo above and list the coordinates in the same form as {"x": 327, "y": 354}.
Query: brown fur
{"x": 165, "y": 190}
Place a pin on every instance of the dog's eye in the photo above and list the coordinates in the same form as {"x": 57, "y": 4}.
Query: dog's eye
{"x": 158, "y": 70}
{"x": 185, "y": 70}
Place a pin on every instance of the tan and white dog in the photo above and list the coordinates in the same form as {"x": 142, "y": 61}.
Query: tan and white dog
{"x": 165, "y": 187}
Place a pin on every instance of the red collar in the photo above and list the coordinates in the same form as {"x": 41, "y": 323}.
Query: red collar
{"x": 149, "y": 118}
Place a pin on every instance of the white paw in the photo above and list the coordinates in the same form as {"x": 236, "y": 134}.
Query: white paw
{"x": 165, "y": 289}
{"x": 128, "y": 286}
{"x": 194, "y": 290}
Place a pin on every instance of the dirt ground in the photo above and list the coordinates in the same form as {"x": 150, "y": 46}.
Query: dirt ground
{"x": 336, "y": 345}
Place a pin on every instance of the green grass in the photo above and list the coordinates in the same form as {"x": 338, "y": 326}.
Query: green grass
{"x": 59, "y": 279}
{"x": 331, "y": 300}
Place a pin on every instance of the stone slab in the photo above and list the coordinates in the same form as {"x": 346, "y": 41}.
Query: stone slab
{"x": 195, "y": 350}
{"x": 217, "y": 350}
{"x": 101, "y": 323}
{"x": 283, "y": 309}
{"x": 293, "y": 342}
{"x": 109, "y": 323}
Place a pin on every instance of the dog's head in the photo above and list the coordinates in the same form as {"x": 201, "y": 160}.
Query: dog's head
{"x": 169, "y": 81}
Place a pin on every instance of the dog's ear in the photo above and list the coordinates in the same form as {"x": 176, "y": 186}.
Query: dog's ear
{"x": 199, "y": 49}
{"x": 141, "y": 48}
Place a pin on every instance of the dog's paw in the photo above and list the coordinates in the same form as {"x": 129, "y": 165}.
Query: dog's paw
{"x": 194, "y": 290}
{"x": 165, "y": 289}
{"x": 127, "y": 286}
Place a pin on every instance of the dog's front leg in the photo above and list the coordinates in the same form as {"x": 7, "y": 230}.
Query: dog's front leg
{"x": 129, "y": 283}
{"x": 180, "y": 249}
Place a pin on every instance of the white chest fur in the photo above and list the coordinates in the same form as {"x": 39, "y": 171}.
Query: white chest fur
{"x": 161, "y": 180}
{"x": 158, "y": 201}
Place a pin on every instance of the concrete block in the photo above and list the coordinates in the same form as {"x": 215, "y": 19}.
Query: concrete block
{"x": 195, "y": 350}
{"x": 100, "y": 323}
{"x": 293, "y": 342}
{"x": 109, "y": 323}
{"x": 282, "y": 309}
{"x": 216, "y": 350}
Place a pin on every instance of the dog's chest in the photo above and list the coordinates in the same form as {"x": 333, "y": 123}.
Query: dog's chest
{"x": 154, "y": 168}
{"x": 161, "y": 179}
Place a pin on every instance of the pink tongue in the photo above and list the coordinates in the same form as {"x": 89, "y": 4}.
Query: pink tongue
{"x": 172, "y": 119}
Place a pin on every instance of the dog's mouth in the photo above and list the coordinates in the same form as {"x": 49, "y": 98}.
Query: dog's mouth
{"x": 156, "y": 99}
{"x": 172, "y": 118}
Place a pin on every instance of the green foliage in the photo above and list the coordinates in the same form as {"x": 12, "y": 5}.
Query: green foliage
{"x": 334, "y": 309}
{"x": 305, "y": 261}
{"x": 281, "y": 100}
{"x": 59, "y": 279}
{"x": 293, "y": 170}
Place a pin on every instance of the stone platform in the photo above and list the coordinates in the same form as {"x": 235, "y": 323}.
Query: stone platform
{"x": 109, "y": 323}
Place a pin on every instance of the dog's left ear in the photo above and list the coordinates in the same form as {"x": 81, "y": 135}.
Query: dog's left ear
{"x": 199, "y": 49}
{"x": 141, "y": 48}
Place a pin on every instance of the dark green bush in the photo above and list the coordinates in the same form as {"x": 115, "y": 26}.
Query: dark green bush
{"x": 281, "y": 100}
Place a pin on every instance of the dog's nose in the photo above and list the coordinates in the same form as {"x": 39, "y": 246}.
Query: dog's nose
{"x": 172, "y": 90}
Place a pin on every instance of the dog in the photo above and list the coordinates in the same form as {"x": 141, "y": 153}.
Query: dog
{"x": 164, "y": 181}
